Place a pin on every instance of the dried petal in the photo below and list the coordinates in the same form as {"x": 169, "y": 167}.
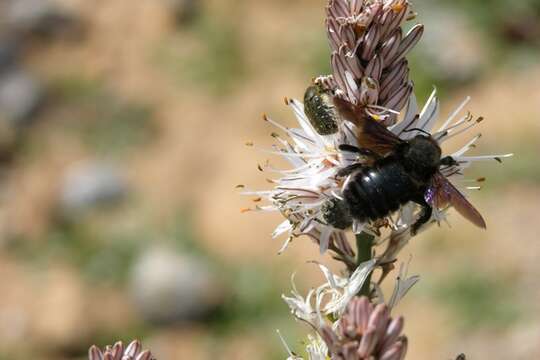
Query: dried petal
{"x": 145, "y": 355}
{"x": 389, "y": 49}
{"x": 371, "y": 40}
{"x": 410, "y": 40}
{"x": 368, "y": 342}
{"x": 397, "y": 17}
{"x": 398, "y": 99}
{"x": 374, "y": 68}
{"x": 396, "y": 77}
{"x": 94, "y": 353}
{"x": 133, "y": 348}
{"x": 392, "y": 332}
{"x": 397, "y": 351}
{"x": 379, "y": 320}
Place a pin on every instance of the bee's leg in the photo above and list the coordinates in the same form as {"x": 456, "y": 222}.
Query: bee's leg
{"x": 425, "y": 215}
{"x": 348, "y": 170}
{"x": 361, "y": 151}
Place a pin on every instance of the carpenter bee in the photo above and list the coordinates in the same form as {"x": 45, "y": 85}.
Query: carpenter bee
{"x": 395, "y": 173}
{"x": 320, "y": 110}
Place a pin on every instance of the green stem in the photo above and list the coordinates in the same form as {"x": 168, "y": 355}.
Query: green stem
{"x": 364, "y": 244}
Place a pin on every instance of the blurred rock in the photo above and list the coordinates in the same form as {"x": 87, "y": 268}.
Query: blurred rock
{"x": 452, "y": 48}
{"x": 521, "y": 29}
{"x": 20, "y": 98}
{"x": 9, "y": 54}
{"x": 169, "y": 287}
{"x": 37, "y": 17}
{"x": 90, "y": 185}
{"x": 183, "y": 11}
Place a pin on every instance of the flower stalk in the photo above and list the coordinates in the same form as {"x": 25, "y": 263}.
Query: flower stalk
{"x": 364, "y": 245}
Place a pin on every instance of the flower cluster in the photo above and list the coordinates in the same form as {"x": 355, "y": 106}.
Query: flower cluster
{"x": 366, "y": 332}
{"x": 363, "y": 332}
{"x": 117, "y": 351}
{"x": 301, "y": 192}
{"x": 368, "y": 54}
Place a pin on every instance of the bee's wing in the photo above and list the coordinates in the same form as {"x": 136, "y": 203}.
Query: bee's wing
{"x": 370, "y": 134}
{"x": 442, "y": 193}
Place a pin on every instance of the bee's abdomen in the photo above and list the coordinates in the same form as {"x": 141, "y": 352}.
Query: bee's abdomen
{"x": 375, "y": 192}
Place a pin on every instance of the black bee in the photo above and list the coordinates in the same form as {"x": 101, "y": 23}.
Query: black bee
{"x": 395, "y": 173}
{"x": 320, "y": 110}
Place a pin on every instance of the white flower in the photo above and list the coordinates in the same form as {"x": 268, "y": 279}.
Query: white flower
{"x": 301, "y": 191}
{"x": 404, "y": 283}
{"x": 302, "y": 308}
{"x": 331, "y": 298}
{"x": 316, "y": 348}
{"x": 342, "y": 290}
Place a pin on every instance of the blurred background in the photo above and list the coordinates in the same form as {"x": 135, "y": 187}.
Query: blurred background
{"x": 122, "y": 132}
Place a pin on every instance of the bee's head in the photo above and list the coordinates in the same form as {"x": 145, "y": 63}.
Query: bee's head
{"x": 336, "y": 213}
{"x": 422, "y": 156}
